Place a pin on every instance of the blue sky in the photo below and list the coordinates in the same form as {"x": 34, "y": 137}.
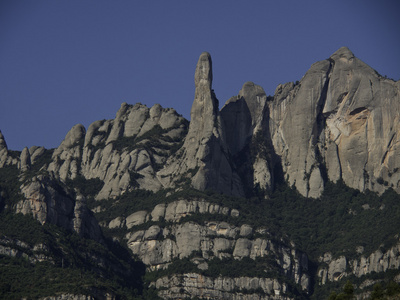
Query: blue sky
{"x": 64, "y": 62}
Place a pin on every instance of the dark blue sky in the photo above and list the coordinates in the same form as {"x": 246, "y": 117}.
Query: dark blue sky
{"x": 64, "y": 62}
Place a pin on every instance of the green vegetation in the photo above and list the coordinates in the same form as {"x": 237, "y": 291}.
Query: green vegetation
{"x": 382, "y": 290}
{"x": 339, "y": 222}
{"x": 9, "y": 186}
{"x": 37, "y": 167}
{"x": 262, "y": 267}
{"x": 72, "y": 265}
{"x": 88, "y": 187}
{"x": 347, "y": 294}
{"x": 154, "y": 141}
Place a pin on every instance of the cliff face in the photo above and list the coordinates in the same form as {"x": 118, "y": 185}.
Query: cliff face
{"x": 204, "y": 153}
{"x": 332, "y": 269}
{"x": 338, "y": 123}
{"x": 158, "y": 245}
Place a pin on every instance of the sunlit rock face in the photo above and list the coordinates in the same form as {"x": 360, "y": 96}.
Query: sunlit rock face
{"x": 204, "y": 153}
{"x": 340, "y": 121}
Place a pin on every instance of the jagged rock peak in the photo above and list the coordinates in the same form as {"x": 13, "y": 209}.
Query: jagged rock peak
{"x": 342, "y": 52}
{"x": 76, "y": 134}
{"x": 251, "y": 87}
{"x": 25, "y": 159}
{"x": 3, "y": 144}
{"x": 204, "y": 150}
{"x": 203, "y": 74}
{"x": 205, "y": 105}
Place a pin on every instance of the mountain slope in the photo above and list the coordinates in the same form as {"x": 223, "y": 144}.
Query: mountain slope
{"x": 279, "y": 197}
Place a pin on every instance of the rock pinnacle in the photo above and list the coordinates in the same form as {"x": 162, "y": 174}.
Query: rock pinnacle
{"x": 203, "y": 73}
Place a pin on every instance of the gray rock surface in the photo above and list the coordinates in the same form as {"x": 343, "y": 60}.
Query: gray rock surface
{"x": 204, "y": 154}
{"x": 3, "y": 144}
{"x": 19, "y": 249}
{"x": 157, "y": 246}
{"x": 25, "y": 160}
{"x": 35, "y": 152}
{"x": 49, "y": 202}
{"x": 338, "y": 122}
{"x": 196, "y": 285}
{"x": 376, "y": 262}
{"x": 245, "y": 119}
{"x": 117, "y": 152}
{"x": 341, "y": 121}
{"x": 333, "y": 124}
{"x": 5, "y": 158}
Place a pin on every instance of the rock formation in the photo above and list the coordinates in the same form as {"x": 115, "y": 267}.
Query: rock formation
{"x": 204, "y": 153}
{"x": 340, "y": 122}
{"x": 158, "y": 246}
{"x": 378, "y": 261}
{"x": 247, "y": 134}
{"x": 243, "y": 288}
{"x": 4, "y": 158}
{"x": 49, "y": 202}
{"x": 333, "y": 124}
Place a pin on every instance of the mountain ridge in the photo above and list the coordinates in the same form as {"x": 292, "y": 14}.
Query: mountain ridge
{"x": 180, "y": 193}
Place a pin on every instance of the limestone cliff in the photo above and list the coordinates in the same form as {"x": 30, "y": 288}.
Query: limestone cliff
{"x": 334, "y": 269}
{"x": 339, "y": 122}
{"x": 204, "y": 152}
{"x": 246, "y": 119}
{"x": 159, "y": 246}
{"x": 49, "y": 202}
{"x": 124, "y": 153}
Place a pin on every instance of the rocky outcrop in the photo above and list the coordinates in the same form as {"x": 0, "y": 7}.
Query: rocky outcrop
{"x": 378, "y": 261}
{"x": 95, "y": 294}
{"x": 118, "y": 152}
{"x": 48, "y": 201}
{"x": 69, "y": 297}
{"x": 16, "y": 248}
{"x": 172, "y": 212}
{"x": 245, "y": 119}
{"x": 204, "y": 154}
{"x": 361, "y": 113}
{"x": 25, "y": 160}
{"x": 295, "y": 129}
{"x": 243, "y": 288}
{"x": 67, "y": 156}
{"x": 3, "y": 150}
{"x": 7, "y": 158}
{"x": 158, "y": 245}
{"x": 339, "y": 122}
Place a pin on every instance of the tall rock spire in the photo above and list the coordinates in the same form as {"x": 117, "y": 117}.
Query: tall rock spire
{"x": 205, "y": 152}
{"x": 204, "y": 113}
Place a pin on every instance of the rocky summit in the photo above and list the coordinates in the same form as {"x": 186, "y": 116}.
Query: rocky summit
{"x": 287, "y": 196}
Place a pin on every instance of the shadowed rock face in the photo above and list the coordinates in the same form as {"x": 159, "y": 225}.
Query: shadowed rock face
{"x": 245, "y": 118}
{"x": 48, "y": 202}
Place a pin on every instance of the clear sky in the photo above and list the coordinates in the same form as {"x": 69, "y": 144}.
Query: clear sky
{"x": 64, "y": 62}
